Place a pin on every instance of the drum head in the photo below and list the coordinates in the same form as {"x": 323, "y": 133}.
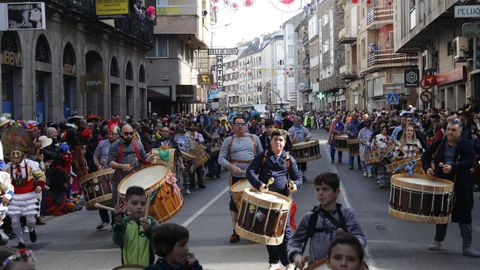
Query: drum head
{"x": 268, "y": 196}
{"x": 240, "y": 186}
{"x": 422, "y": 183}
{"x": 145, "y": 178}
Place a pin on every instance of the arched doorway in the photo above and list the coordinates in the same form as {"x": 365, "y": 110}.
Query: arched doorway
{"x": 114, "y": 87}
{"x": 94, "y": 83}
{"x": 69, "y": 81}
{"x": 43, "y": 79}
{"x": 129, "y": 89}
{"x": 11, "y": 54}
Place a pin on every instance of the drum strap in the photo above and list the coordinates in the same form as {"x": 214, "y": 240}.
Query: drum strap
{"x": 288, "y": 162}
{"x": 137, "y": 153}
{"x": 254, "y": 145}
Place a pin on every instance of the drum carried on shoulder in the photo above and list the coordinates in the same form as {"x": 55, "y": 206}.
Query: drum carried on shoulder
{"x": 421, "y": 198}
{"x": 197, "y": 155}
{"x": 341, "y": 143}
{"x": 97, "y": 188}
{"x": 165, "y": 156}
{"x": 156, "y": 179}
{"x": 306, "y": 151}
{"x": 262, "y": 217}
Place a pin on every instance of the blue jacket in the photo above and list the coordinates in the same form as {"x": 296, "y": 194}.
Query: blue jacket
{"x": 273, "y": 167}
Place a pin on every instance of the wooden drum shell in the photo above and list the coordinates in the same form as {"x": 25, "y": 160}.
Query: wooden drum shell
{"x": 341, "y": 144}
{"x": 306, "y": 151}
{"x": 260, "y": 220}
{"x": 418, "y": 202}
{"x": 97, "y": 188}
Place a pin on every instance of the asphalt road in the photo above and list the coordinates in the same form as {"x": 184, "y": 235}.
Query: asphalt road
{"x": 71, "y": 241}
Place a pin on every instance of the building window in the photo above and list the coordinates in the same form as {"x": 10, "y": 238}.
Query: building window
{"x": 413, "y": 15}
{"x": 161, "y": 48}
{"x": 42, "y": 51}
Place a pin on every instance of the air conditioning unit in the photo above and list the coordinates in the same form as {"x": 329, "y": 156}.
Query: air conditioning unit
{"x": 460, "y": 48}
{"x": 165, "y": 77}
{"x": 427, "y": 58}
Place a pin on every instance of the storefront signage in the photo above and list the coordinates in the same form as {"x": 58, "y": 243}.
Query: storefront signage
{"x": 223, "y": 51}
{"x": 22, "y": 16}
{"x": 69, "y": 70}
{"x": 457, "y": 74}
{"x": 12, "y": 59}
{"x": 111, "y": 8}
{"x": 470, "y": 11}
{"x": 219, "y": 59}
{"x": 411, "y": 78}
{"x": 93, "y": 82}
{"x": 394, "y": 88}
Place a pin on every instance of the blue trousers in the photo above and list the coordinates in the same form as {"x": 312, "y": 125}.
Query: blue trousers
{"x": 332, "y": 153}
{"x": 352, "y": 158}
{"x": 276, "y": 253}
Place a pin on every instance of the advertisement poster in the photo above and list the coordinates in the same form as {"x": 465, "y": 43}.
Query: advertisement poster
{"x": 109, "y": 9}
{"x": 25, "y": 16}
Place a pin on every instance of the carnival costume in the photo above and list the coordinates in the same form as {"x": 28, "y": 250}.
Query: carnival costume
{"x": 28, "y": 181}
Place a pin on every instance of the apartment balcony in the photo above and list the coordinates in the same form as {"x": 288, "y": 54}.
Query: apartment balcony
{"x": 348, "y": 72}
{"x": 132, "y": 25}
{"x": 345, "y": 37}
{"x": 378, "y": 17}
{"x": 194, "y": 22}
{"x": 388, "y": 58}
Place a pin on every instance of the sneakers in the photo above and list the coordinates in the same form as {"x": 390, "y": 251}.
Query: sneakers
{"x": 290, "y": 266}
{"x": 370, "y": 175}
{"x": 234, "y": 238}
{"x": 187, "y": 191}
{"x": 364, "y": 174}
{"x": 470, "y": 252}
{"x": 33, "y": 236}
{"x": 435, "y": 245}
{"x": 274, "y": 266}
{"x": 102, "y": 225}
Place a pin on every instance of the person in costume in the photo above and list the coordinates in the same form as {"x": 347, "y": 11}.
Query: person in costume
{"x": 28, "y": 181}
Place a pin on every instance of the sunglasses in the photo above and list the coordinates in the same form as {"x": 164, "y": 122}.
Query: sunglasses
{"x": 239, "y": 124}
{"x": 128, "y": 133}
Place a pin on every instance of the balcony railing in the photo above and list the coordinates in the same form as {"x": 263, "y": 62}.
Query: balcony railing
{"x": 379, "y": 15}
{"x": 134, "y": 24}
{"x": 390, "y": 58}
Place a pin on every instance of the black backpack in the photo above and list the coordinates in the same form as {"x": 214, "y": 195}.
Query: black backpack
{"x": 312, "y": 229}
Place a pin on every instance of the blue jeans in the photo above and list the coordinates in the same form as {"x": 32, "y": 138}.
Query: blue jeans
{"x": 352, "y": 158}
{"x": 332, "y": 153}
{"x": 366, "y": 168}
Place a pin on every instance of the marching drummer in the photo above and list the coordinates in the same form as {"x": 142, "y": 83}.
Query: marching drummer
{"x": 266, "y": 136}
{"x": 335, "y": 127}
{"x": 100, "y": 159}
{"x": 452, "y": 158}
{"x": 236, "y": 153}
{"x": 300, "y": 134}
{"x": 124, "y": 156}
{"x": 380, "y": 140}
{"x": 279, "y": 165}
{"x": 352, "y": 128}
{"x": 408, "y": 145}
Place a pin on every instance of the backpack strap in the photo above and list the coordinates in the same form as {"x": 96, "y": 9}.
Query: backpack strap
{"x": 254, "y": 145}
{"x": 230, "y": 148}
{"x": 137, "y": 153}
{"x": 312, "y": 222}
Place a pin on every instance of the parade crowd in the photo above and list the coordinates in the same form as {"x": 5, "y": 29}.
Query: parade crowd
{"x": 44, "y": 164}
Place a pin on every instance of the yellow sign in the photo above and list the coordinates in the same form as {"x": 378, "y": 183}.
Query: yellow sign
{"x": 204, "y": 79}
{"x": 69, "y": 70}
{"x": 11, "y": 59}
{"x": 111, "y": 8}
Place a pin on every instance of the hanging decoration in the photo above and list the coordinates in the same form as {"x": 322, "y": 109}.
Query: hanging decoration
{"x": 356, "y": 2}
{"x": 230, "y": 5}
{"x": 287, "y": 5}
{"x": 248, "y": 3}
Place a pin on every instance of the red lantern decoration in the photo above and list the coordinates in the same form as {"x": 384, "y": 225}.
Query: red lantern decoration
{"x": 354, "y": 1}
{"x": 369, "y": 2}
{"x": 248, "y": 3}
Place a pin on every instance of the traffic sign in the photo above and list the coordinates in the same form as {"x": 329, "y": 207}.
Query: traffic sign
{"x": 393, "y": 98}
{"x": 223, "y": 51}
{"x": 426, "y": 96}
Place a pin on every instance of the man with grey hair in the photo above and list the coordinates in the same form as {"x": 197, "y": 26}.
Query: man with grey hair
{"x": 50, "y": 152}
{"x": 453, "y": 158}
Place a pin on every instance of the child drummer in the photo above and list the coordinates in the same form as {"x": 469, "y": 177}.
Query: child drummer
{"x": 279, "y": 165}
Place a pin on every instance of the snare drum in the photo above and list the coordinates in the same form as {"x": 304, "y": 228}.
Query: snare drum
{"x": 421, "y": 198}
{"x": 341, "y": 144}
{"x": 161, "y": 183}
{"x": 262, "y": 217}
{"x": 237, "y": 190}
{"x": 200, "y": 155}
{"x": 171, "y": 162}
{"x": 353, "y": 147}
{"x": 97, "y": 188}
{"x": 306, "y": 151}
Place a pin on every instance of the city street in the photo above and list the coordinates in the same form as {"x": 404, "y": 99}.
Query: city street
{"x": 71, "y": 241}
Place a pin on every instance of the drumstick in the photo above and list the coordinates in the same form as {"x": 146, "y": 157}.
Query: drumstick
{"x": 149, "y": 194}
{"x": 270, "y": 181}
{"x": 101, "y": 206}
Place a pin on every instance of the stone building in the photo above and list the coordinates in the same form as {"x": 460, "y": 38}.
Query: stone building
{"x": 78, "y": 64}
